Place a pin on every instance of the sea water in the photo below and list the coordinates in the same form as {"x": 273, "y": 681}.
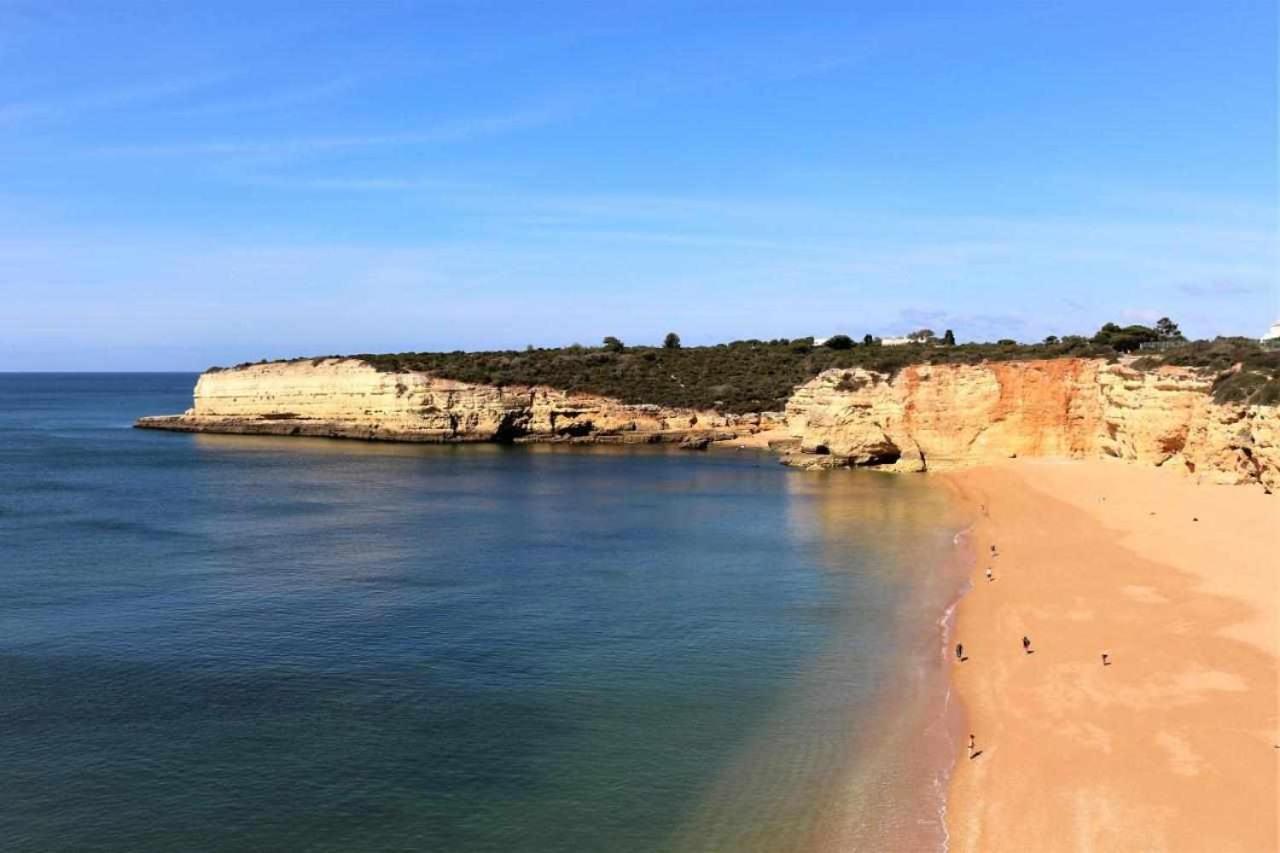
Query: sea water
{"x": 229, "y": 643}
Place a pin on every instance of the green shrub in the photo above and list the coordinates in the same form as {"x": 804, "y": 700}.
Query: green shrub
{"x": 1125, "y": 339}
{"x": 752, "y": 376}
{"x": 848, "y": 383}
{"x": 1268, "y": 394}
{"x": 1237, "y": 387}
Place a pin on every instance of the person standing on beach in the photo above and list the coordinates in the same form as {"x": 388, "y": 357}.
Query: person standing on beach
{"x": 1026, "y": 644}
{"x": 990, "y": 577}
{"x": 972, "y": 745}
{"x": 959, "y": 651}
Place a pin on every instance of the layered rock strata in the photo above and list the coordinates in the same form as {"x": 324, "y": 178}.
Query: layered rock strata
{"x": 949, "y": 416}
{"x": 925, "y": 417}
{"x": 346, "y": 398}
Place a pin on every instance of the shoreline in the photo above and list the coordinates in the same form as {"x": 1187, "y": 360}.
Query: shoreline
{"x": 397, "y": 434}
{"x": 924, "y": 417}
{"x": 1172, "y": 745}
{"x": 953, "y": 714}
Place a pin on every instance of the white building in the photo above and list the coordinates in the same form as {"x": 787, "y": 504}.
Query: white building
{"x": 895, "y": 342}
{"x": 1272, "y": 335}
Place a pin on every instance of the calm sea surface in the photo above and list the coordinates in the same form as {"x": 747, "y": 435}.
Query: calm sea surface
{"x": 224, "y": 643}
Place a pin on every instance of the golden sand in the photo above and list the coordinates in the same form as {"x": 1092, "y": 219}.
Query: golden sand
{"x": 1173, "y": 746}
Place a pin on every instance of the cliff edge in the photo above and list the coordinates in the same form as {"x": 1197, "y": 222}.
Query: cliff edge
{"x": 953, "y": 416}
{"x": 347, "y": 398}
{"x": 923, "y": 417}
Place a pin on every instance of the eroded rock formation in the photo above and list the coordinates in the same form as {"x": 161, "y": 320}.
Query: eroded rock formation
{"x": 346, "y": 398}
{"x": 948, "y": 416}
{"x": 925, "y": 417}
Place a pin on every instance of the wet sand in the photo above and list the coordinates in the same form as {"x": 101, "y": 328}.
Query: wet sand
{"x": 1173, "y": 745}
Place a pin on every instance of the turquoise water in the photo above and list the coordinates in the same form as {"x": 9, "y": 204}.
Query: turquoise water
{"x": 226, "y": 643}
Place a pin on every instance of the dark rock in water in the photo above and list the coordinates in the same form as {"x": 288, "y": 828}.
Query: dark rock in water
{"x": 695, "y": 442}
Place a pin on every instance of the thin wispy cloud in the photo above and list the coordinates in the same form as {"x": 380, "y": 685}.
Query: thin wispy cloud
{"x": 342, "y": 185}
{"x": 273, "y": 100}
{"x": 18, "y": 17}
{"x": 444, "y": 132}
{"x": 824, "y": 238}
{"x": 1147, "y": 316}
{"x": 58, "y": 107}
{"x": 498, "y": 174}
{"x": 1083, "y": 237}
{"x": 976, "y": 325}
{"x": 1218, "y": 289}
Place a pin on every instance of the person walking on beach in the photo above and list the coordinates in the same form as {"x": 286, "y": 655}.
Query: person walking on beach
{"x": 959, "y": 651}
{"x": 1026, "y": 645}
{"x": 990, "y": 577}
{"x": 972, "y": 745}
{"x": 1106, "y": 659}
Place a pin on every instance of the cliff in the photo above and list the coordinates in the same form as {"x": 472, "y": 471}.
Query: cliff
{"x": 949, "y": 416}
{"x": 346, "y": 398}
{"x": 924, "y": 417}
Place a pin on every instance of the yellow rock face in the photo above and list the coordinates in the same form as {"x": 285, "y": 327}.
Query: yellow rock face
{"x": 926, "y": 417}
{"x": 947, "y": 416}
{"x": 348, "y": 398}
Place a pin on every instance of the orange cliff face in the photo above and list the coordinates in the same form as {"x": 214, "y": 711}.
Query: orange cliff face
{"x": 925, "y": 417}
{"x": 952, "y": 416}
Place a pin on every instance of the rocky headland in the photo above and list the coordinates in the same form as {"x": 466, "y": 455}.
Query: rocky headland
{"x": 923, "y": 417}
{"x": 347, "y": 398}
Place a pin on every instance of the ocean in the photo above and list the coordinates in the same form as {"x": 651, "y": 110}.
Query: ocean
{"x": 234, "y": 643}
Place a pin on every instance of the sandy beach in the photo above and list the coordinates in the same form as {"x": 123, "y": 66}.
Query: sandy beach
{"x": 1173, "y": 745}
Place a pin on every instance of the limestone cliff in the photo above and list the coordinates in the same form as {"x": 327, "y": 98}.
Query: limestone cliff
{"x": 925, "y": 417}
{"x": 346, "y": 398}
{"x": 947, "y": 416}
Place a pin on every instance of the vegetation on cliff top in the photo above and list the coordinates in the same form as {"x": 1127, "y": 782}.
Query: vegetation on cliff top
{"x": 1243, "y": 372}
{"x": 738, "y": 377}
{"x": 753, "y": 375}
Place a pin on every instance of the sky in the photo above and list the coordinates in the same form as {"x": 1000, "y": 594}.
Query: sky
{"x": 188, "y": 185}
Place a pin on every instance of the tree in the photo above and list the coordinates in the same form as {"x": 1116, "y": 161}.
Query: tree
{"x": 867, "y": 340}
{"x": 612, "y": 344}
{"x": 671, "y": 341}
{"x": 839, "y": 342}
{"x": 949, "y": 338}
{"x": 1168, "y": 330}
{"x": 1125, "y": 339}
{"x": 1051, "y": 340}
{"x": 921, "y": 335}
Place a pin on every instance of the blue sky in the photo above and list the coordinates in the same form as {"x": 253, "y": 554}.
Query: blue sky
{"x": 186, "y": 185}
